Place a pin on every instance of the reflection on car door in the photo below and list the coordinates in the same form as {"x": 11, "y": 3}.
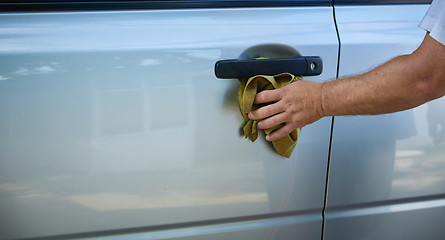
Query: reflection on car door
{"x": 113, "y": 124}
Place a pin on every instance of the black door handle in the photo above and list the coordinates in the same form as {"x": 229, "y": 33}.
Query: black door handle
{"x": 299, "y": 66}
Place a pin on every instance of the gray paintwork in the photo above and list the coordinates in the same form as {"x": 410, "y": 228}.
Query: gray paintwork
{"x": 387, "y": 172}
{"x": 113, "y": 125}
{"x": 115, "y": 120}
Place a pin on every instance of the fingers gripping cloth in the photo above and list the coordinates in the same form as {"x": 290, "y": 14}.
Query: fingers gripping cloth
{"x": 246, "y": 96}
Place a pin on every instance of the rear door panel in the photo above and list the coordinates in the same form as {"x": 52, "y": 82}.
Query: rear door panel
{"x": 386, "y": 172}
{"x": 113, "y": 122}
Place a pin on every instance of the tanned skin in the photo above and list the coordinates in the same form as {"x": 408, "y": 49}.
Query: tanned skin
{"x": 402, "y": 83}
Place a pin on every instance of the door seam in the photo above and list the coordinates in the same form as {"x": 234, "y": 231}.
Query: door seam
{"x": 323, "y": 213}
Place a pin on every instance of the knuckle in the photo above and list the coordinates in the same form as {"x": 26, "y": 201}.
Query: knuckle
{"x": 262, "y": 125}
{"x": 296, "y": 122}
{"x": 288, "y": 104}
{"x": 262, "y": 112}
{"x": 254, "y": 115}
{"x": 259, "y": 97}
{"x": 262, "y": 96}
{"x": 273, "y": 122}
{"x": 267, "y": 112}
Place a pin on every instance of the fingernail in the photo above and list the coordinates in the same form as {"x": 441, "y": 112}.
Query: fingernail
{"x": 267, "y": 138}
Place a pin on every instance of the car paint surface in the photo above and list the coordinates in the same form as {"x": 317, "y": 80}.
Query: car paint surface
{"x": 386, "y": 172}
{"x": 114, "y": 125}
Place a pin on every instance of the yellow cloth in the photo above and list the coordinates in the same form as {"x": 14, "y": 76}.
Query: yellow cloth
{"x": 246, "y": 95}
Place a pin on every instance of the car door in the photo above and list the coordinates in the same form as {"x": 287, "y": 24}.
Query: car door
{"x": 386, "y": 172}
{"x": 114, "y": 125}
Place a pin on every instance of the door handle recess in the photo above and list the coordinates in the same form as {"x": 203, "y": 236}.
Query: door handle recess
{"x": 299, "y": 66}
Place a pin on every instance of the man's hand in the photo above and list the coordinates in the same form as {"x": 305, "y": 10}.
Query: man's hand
{"x": 296, "y": 105}
{"x": 402, "y": 83}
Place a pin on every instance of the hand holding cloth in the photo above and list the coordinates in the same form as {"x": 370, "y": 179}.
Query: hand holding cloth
{"x": 246, "y": 96}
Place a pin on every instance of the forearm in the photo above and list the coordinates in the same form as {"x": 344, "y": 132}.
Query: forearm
{"x": 374, "y": 92}
{"x": 402, "y": 83}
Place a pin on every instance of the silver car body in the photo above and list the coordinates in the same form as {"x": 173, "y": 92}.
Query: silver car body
{"x": 113, "y": 125}
{"x": 386, "y": 172}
